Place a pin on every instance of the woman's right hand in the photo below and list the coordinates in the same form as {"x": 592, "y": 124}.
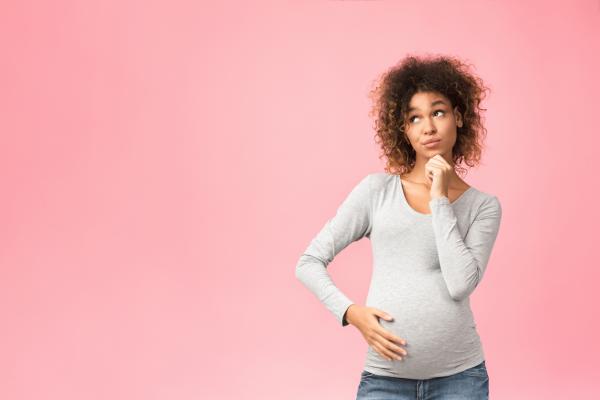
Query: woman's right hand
{"x": 383, "y": 341}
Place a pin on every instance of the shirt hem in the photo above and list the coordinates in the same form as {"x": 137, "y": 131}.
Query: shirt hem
{"x": 461, "y": 368}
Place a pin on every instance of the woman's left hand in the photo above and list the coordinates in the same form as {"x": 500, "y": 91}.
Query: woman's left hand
{"x": 438, "y": 171}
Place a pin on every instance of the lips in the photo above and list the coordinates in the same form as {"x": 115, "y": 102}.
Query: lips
{"x": 431, "y": 141}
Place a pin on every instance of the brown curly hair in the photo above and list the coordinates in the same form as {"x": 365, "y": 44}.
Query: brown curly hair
{"x": 443, "y": 74}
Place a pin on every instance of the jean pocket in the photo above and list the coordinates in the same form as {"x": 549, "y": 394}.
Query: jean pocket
{"x": 479, "y": 370}
{"x": 365, "y": 379}
{"x": 365, "y": 374}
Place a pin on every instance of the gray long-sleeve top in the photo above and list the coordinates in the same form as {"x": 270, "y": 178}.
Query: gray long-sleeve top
{"x": 425, "y": 266}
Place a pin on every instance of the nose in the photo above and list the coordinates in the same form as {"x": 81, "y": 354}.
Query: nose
{"x": 429, "y": 126}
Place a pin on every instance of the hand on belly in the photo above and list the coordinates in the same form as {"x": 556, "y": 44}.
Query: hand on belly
{"x": 366, "y": 320}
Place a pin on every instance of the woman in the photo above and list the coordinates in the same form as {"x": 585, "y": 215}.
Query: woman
{"x": 431, "y": 234}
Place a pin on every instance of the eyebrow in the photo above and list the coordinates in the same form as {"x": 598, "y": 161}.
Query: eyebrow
{"x": 432, "y": 104}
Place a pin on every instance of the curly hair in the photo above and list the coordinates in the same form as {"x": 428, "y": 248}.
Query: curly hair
{"x": 391, "y": 97}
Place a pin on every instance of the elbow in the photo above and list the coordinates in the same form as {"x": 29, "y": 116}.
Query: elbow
{"x": 459, "y": 294}
{"x": 298, "y": 270}
{"x": 302, "y": 266}
{"x": 461, "y": 290}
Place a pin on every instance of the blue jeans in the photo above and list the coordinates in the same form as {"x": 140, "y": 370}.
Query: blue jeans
{"x": 470, "y": 384}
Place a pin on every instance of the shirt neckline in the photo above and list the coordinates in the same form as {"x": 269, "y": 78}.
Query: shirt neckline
{"x": 413, "y": 211}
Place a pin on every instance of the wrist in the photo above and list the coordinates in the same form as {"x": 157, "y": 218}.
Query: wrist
{"x": 347, "y": 314}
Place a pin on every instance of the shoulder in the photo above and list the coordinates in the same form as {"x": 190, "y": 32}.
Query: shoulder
{"x": 371, "y": 184}
{"x": 487, "y": 204}
{"x": 380, "y": 180}
{"x": 374, "y": 180}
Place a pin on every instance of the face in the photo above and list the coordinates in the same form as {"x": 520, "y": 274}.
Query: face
{"x": 430, "y": 117}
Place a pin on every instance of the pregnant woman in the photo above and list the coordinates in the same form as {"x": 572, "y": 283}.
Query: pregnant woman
{"x": 431, "y": 234}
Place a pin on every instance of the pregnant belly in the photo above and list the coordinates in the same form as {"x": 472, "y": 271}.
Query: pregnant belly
{"x": 440, "y": 332}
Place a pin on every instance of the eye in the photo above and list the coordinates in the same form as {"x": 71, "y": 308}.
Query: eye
{"x": 411, "y": 118}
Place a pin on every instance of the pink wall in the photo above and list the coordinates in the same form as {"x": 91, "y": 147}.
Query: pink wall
{"x": 164, "y": 164}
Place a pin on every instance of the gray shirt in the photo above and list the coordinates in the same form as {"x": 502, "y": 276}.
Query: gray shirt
{"x": 425, "y": 266}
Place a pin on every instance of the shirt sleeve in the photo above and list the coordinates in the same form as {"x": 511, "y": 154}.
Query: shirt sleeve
{"x": 463, "y": 262}
{"x": 351, "y": 222}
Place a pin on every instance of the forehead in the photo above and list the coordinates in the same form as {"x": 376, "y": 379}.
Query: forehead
{"x": 423, "y": 100}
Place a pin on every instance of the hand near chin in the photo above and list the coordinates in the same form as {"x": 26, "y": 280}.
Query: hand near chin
{"x": 438, "y": 171}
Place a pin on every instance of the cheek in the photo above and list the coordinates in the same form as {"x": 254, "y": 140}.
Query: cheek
{"x": 449, "y": 123}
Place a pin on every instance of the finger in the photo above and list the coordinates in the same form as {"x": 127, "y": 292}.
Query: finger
{"x": 389, "y": 345}
{"x": 435, "y": 165}
{"x": 381, "y": 314}
{"x": 430, "y": 173}
{"x": 437, "y": 157}
{"x": 390, "y": 336}
{"x": 441, "y": 163}
{"x": 380, "y": 350}
{"x": 434, "y": 170}
{"x": 385, "y": 353}
{"x": 438, "y": 162}
{"x": 429, "y": 167}
{"x": 442, "y": 160}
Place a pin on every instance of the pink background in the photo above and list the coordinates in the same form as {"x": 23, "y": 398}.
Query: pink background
{"x": 165, "y": 164}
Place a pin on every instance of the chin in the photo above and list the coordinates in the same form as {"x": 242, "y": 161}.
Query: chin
{"x": 434, "y": 152}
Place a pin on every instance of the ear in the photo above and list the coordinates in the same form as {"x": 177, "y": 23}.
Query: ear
{"x": 459, "y": 121}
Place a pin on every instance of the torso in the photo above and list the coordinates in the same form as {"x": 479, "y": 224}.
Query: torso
{"x": 417, "y": 194}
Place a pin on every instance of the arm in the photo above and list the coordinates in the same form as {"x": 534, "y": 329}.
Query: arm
{"x": 463, "y": 263}
{"x": 351, "y": 222}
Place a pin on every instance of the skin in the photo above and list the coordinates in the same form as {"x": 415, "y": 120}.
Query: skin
{"x": 434, "y": 168}
{"x": 433, "y": 176}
